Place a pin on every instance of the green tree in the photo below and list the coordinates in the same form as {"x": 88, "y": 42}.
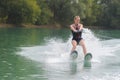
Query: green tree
{"x": 46, "y": 14}
{"x": 3, "y": 11}
{"x": 23, "y": 11}
{"x": 65, "y": 10}
{"x": 62, "y": 11}
{"x": 92, "y": 11}
{"x": 114, "y": 11}
{"x": 110, "y": 16}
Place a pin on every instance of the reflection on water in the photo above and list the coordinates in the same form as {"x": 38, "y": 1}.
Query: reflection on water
{"x": 43, "y": 54}
{"x": 87, "y": 64}
{"x": 73, "y": 67}
{"x": 14, "y": 67}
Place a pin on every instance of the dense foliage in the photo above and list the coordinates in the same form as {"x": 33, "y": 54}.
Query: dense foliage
{"x": 92, "y": 12}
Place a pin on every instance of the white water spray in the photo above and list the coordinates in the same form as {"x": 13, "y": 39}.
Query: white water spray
{"x": 57, "y": 51}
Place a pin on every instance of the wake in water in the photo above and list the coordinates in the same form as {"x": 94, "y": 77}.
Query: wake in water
{"x": 57, "y": 51}
{"x": 57, "y": 64}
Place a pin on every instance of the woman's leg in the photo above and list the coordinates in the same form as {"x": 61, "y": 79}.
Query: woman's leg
{"x": 74, "y": 44}
{"x": 82, "y": 43}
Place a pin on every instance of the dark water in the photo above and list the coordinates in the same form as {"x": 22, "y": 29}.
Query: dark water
{"x": 43, "y": 54}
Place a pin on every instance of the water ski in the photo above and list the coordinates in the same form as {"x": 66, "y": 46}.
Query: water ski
{"x": 87, "y": 60}
{"x": 88, "y": 57}
{"x": 74, "y": 54}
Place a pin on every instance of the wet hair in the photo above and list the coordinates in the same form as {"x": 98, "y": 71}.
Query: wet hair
{"x": 76, "y": 17}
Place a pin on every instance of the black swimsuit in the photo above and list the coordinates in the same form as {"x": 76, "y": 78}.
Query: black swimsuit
{"x": 77, "y": 36}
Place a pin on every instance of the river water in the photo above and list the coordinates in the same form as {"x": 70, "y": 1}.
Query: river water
{"x": 43, "y": 54}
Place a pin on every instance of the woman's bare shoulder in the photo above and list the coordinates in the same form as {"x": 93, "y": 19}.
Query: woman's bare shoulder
{"x": 72, "y": 25}
{"x": 81, "y": 25}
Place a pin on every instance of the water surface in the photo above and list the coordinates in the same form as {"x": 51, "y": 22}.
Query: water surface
{"x": 43, "y": 54}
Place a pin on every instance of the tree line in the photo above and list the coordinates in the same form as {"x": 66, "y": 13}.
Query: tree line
{"x": 41, "y": 12}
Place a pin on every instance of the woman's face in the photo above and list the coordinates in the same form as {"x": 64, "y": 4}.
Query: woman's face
{"x": 77, "y": 20}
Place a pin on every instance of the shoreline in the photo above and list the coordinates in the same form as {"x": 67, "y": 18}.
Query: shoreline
{"x": 29, "y": 26}
{"x": 46, "y": 26}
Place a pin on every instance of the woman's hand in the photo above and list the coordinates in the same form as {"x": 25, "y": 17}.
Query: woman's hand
{"x": 77, "y": 31}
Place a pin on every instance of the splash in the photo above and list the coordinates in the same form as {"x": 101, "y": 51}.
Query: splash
{"x": 57, "y": 51}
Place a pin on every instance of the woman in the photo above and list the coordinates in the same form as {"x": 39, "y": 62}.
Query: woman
{"x": 77, "y": 39}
